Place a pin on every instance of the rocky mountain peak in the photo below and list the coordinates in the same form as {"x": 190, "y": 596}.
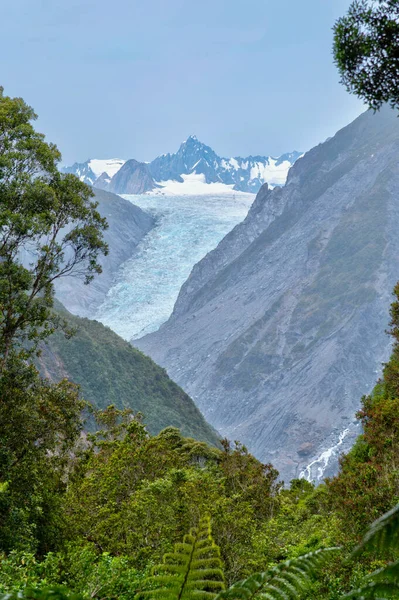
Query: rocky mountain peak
{"x": 192, "y": 158}
{"x": 132, "y": 178}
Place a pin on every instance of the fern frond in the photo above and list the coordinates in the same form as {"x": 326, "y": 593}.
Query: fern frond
{"x": 382, "y": 535}
{"x": 375, "y": 591}
{"x": 192, "y": 571}
{"x": 383, "y": 583}
{"x": 283, "y": 582}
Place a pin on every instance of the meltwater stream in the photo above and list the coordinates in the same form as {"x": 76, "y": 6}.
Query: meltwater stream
{"x": 147, "y": 285}
{"x": 319, "y": 468}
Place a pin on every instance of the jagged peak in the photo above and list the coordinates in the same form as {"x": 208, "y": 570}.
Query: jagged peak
{"x": 192, "y": 138}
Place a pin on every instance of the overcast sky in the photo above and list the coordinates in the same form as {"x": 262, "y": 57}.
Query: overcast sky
{"x": 134, "y": 78}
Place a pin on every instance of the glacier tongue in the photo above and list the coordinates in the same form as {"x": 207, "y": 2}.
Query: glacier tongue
{"x": 147, "y": 285}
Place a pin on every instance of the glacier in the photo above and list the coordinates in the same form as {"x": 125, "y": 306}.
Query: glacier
{"x": 146, "y": 286}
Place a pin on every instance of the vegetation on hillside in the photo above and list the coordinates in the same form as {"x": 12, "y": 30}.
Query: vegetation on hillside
{"x": 109, "y": 370}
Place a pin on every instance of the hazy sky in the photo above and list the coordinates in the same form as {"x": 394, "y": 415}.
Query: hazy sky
{"x": 133, "y": 78}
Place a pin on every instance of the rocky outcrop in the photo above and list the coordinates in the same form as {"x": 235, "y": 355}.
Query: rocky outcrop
{"x": 279, "y": 331}
{"x": 83, "y": 171}
{"x": 127, "y": 225}
{"x": 102, "y": 182}
{"x": 133, "y": 178}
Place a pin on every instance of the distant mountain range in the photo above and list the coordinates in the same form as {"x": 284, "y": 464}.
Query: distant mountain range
{"x": 195, "y": 166}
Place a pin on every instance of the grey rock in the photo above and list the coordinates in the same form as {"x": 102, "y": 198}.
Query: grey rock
{"x": 83, "y": 171}
{"x": 102, "y": 182}
{"x": 132, "y": 178}
{"x": 280, "y": 330}
{"x": 127, "y": 225}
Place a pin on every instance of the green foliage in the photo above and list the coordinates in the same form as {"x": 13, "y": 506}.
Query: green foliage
{"x": 193, "y": 570}
{"x": 21, "y": 569}
{"x": 40, "y": 423}
{"x": 49, "y": 228}
{"x": 110, "y": 371}
{"x": 82, "y": 570}
{"x": 53, "y": 593}
{"x": 382, "y": 537}
{"x": 383, "y": 534}
{"x": 99, "y": 575}
{"x": 368, "y": 482}
{"x": 366, "y": 43}
{"x": 150, "y": 490}
{"x": 286, "y": 580}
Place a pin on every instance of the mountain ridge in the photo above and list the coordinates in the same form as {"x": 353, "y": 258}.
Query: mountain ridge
{"x": 192, "y": 158}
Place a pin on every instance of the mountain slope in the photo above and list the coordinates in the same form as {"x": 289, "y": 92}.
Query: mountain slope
{"x": 128, "y": 224}
{"x": 111, "y": 371}
{"x": 279, "y": 331}
{"x": 132, "y": 178}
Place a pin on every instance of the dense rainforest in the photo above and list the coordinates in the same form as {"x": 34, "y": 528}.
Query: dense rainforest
{"x": 115, "y": 511}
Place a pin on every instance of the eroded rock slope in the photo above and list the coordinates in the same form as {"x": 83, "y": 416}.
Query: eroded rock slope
{"x": 279, "y": 331}
{"x": 127, "y": 225}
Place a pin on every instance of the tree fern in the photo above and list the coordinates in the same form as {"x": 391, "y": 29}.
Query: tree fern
{"x": 192, "y": 571}
{"x": 382, "y": 535}
{"x": 283, "y": 582}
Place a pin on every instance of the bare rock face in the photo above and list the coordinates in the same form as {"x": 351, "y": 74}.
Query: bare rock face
{"x": 132, "y": 178}
{"x": 102, "y": 182}
{"x": 127, "y": 225}
{"x": 280, "y": 330}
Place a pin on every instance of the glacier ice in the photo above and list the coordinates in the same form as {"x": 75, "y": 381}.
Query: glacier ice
{"x": 147, "y": 285}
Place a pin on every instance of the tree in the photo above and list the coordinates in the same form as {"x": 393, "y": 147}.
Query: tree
{"x": 366, "y": 51}
{"x": 49, "y": 228}
{"x": 149, "y": 491}
{"x": 367, "y": 483}
{"x": 40, "y": 423}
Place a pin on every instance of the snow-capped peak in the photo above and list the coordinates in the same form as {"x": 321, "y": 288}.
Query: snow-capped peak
{"x": 195, "y": 158}
{"x": 108, "y": 165}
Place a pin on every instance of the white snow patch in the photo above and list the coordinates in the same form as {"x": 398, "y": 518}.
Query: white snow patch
{"x": 194, "y": 184}
{"x": 110, "y": 166}
{"x": 270, "y": 172}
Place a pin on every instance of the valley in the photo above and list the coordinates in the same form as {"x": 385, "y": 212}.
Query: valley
{"x": 145, "y": 286}
{"x": 229, "y": 293}
{"x": 199, "y": 344}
